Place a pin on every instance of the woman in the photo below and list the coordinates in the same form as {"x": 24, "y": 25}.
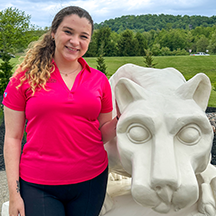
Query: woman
{"x": 67, "y": 105}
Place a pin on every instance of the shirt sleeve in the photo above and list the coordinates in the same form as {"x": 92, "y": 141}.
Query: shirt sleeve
{"x": 14, "y": 98}
{"x": 107, "y": 105}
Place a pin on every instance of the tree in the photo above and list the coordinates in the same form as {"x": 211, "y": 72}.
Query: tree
{"x": 127, "y": 45}
{"x": 202, "y": 44}
{"x": 175, "y": 38}
{"x": 101, "y": 65}
{"x": 103, "y": 35}
{"x": 92, "y": 50}
{"x": 142, "y": 44}
{"x": 13, "y": 25}
{"x": 5, "y": 71}
{"x": 179, "y": 52}
{"x": 148, "y": 60}
{"x": 165, "y": 51}
{"x": 212, "y": 44}
{"x": 156, "y": 49}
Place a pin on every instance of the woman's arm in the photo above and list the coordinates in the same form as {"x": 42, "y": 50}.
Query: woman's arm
{"x": 14, "y": 128}
{"x": 107, "y": 126}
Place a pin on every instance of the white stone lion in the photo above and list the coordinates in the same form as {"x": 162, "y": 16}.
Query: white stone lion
{"x": 164, "y": 140}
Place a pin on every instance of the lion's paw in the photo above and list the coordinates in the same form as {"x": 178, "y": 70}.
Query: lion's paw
{"x": 206, "y": 204}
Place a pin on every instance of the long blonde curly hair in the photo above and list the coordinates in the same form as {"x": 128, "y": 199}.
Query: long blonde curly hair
{"x": 37, "y": 62}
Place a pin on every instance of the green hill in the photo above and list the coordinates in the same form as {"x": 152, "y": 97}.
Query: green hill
{"x": 148, "y": 22}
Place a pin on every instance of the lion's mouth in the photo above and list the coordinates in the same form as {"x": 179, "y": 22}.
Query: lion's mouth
{"x": 165, "y": 194}
{"x": 162, "y": 208}
{"x": 165, "y": 199}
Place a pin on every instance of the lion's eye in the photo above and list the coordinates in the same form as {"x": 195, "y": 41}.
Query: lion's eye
{"x": 138, "y": 133}
{"x": 189, "y": 135}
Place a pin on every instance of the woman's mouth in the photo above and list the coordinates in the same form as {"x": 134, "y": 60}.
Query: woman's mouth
{"x": 71, "y": 48}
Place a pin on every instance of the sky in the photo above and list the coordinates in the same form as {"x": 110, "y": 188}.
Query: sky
{"x": 42, "y": 12}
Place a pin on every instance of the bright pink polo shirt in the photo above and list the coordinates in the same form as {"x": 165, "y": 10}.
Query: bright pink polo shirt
{"x": 63, "y": 140}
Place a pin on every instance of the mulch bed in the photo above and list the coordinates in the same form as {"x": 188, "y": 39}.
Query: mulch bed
{"x": 1, "y": 147}
{"x": 210, "y": 112}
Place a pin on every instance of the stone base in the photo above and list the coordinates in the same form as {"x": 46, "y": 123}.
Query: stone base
{"x": 5, "y": 209}
{"x": 125, "y": 205}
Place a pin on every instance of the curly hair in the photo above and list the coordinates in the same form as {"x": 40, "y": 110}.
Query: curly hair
{"x": 37, "y": 62}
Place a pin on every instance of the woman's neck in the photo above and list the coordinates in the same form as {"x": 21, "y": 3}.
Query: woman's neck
{"x": 67, "y": 66}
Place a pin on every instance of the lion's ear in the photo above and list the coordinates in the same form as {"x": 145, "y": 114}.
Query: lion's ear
{"x": 126, "y": 92}
{"x": 197, "y": 88}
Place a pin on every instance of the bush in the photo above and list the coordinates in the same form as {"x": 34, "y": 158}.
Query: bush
{"x": 5, "y": 71}
{"x": 179, "y": 52}
{"x": 165, "y": 51}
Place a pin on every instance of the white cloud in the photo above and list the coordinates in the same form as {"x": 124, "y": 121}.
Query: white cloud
{"x": 43, "y": 11}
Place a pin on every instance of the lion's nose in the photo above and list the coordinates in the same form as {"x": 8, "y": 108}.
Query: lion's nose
{"x": 165, "y": 193}
{"x": 164, "y": 169}
{"x": 163, "y": 184}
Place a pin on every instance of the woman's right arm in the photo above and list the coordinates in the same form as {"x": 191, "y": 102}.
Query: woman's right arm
{"x": 14, "y": 128}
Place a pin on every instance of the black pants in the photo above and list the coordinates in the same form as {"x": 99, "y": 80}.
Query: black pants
{"x": 82, "y": 199}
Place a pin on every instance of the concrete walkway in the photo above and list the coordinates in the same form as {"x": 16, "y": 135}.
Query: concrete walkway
{"x": 4, "y": 195}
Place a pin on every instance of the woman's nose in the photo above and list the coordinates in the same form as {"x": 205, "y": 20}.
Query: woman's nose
{"x": 74, "y": 40}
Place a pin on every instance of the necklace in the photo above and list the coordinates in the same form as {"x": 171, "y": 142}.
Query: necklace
{"x": 66, "y": 74}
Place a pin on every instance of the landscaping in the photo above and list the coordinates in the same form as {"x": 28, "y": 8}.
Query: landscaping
{"x": 187, "y": 65}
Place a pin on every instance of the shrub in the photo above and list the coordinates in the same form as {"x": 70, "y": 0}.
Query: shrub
{"x": 5, "y": 71}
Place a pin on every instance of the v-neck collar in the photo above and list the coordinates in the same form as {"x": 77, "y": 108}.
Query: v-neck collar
{"x": 76, "y": 81}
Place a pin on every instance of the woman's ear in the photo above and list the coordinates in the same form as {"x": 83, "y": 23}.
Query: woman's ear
{"x": 53, "y": 35}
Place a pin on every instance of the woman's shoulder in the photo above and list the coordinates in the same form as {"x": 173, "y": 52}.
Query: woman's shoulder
{"x": 19, "y": 73}
{"x": 18, "y": 76}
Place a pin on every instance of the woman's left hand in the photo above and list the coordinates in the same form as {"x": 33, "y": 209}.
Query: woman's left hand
{"x": 117, "y": 110}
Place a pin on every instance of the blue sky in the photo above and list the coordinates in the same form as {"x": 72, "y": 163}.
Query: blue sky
{"x": 43, "y": 11}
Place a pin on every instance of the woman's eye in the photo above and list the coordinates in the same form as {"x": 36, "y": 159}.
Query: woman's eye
{"x": 67, "y": 32}
{"x": 84, "y": 37}
{"x": 138, "y": 134}
{"x": 189, "y": 135}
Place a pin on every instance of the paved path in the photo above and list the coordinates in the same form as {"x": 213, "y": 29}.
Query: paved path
{"x": 4, "y": 195}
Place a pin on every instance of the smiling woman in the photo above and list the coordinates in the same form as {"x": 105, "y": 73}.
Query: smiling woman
{"x": 72, "y": 39}
{"x": 67, "y": 105}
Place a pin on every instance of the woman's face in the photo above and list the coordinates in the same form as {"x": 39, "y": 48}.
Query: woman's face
{"x": 72, "y": 38}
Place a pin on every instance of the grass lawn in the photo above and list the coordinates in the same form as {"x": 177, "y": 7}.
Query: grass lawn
{"x": 187, "y": 65}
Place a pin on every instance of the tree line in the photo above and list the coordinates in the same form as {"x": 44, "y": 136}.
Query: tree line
{"x": 144, "y": 35}
{"x": 16, "y": 33}
{"x": 161, "y": 42}
{"x": 142, "y": 23}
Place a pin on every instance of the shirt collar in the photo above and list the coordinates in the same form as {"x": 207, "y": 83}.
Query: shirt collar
{"x": 84, "y": 64}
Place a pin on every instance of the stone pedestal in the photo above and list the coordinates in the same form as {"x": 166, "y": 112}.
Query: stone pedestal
{"x": 125, "y": 205}
{"x": 5, "y": 209}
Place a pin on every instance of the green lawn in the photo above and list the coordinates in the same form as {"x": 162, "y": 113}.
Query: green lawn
{"x": 187, "y": 65}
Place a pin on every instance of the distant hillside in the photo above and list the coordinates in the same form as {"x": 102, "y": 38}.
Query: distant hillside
{"x": 147, "y": 22}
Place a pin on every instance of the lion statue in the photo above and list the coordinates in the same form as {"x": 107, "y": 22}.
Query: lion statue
{"x": 163, "y": 140}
